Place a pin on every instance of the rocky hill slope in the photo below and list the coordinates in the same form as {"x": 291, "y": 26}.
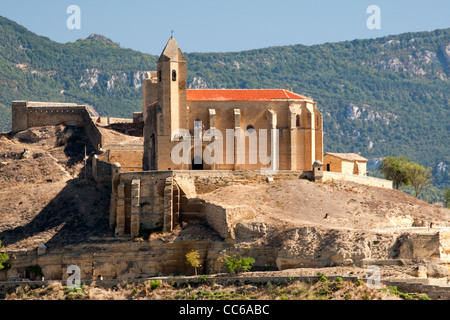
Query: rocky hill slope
{"x": 43, "y": 194}
{"x": 45, "y": 199}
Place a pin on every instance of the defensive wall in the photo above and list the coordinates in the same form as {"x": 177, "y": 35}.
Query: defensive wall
{"x": 369, "y": 181}
{"x": 128, "y": 155}
{"x": 162, "y": 199}
{"x": 27, "y": 114}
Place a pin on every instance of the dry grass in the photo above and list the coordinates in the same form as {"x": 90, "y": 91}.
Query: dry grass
{"x": 154, "y": 290}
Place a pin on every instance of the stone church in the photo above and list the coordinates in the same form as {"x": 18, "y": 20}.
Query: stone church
{"x": 225, "y": 129}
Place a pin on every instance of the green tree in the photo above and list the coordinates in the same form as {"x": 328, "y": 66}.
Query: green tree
{"x": 193, "y": 259}
{"x": 447, "y": 197}
{"x": 393, "y": 169}
{"x": 419, "y": 177}
{"x": 4, "y": 257}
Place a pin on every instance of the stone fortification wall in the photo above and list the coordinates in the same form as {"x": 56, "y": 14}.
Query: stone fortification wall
{"x": 92, "y": 131}
{"x": 27, "y": 115}
{"x": 160, "y": 201}
{"x": 104, "y": 121}
{"x": 369, "y": 181}
{"x": 129, "y": 156}
{"x": 101, "y": 170}
{"x": 224, "y": 219}
{"x": 116, "y": 260}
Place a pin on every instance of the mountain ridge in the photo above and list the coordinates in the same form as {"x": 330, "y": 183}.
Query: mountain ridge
{"x": 379, "y": 97}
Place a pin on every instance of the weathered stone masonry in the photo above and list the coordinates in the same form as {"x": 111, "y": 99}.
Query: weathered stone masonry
{"x": 27, "y": 115}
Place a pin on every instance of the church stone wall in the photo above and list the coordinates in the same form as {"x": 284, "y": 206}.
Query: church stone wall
{"x": 298, "y": 146}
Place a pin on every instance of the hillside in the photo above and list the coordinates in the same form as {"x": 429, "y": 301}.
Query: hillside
{"x": 41, "y": 189}
{"x": 379, "y": 97}
{"x": 45, "y": 199}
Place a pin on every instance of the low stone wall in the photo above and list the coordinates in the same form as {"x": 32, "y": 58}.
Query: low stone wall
{"x": 153, "y": 202}
{"x": 104, "y": 121}
{"x": 224, "y": 219}
{"x": 101, "y": 170}
{"x": 121, "y": 260}
{"x": 433, "y": 291}
{"x": 369, "y": 181}
{"x": 129, "y": 156}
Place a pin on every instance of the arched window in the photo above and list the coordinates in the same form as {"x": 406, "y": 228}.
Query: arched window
{"x": 174, "y": 75}
{"x": 297, "y": 120}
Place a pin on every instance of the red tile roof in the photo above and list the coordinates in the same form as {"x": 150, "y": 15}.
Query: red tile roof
{"x": 241, "y": 95}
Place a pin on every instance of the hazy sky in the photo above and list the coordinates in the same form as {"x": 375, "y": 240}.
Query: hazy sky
{"x": 222, "y": 26}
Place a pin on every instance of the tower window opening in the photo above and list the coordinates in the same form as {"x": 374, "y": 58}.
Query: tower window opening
{"x": 174, "y": 75}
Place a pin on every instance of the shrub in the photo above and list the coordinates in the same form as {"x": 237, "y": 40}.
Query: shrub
{"x": 154, "y": 284}
{"x": 202, "y": 278}
{"x": 402, "y": 295}
{"x": 4, "y": 257}
{"x": 235, "y": 265}
{"x": 323, "y": 291}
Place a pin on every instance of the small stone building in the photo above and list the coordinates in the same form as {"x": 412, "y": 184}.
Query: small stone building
{"x": 347, "y": 163}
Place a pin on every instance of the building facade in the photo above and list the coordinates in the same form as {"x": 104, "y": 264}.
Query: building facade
{"x": 347, "y": 163}
{"x": 224, "y": 129}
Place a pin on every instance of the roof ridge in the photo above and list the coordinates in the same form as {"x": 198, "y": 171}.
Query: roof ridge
{"x": 242, "y": 95}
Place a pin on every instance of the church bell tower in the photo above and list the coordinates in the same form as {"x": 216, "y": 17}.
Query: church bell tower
{"x": 171, "y": 73}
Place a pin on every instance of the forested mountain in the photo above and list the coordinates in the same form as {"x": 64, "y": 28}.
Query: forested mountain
{"x": 385, "y": 96}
